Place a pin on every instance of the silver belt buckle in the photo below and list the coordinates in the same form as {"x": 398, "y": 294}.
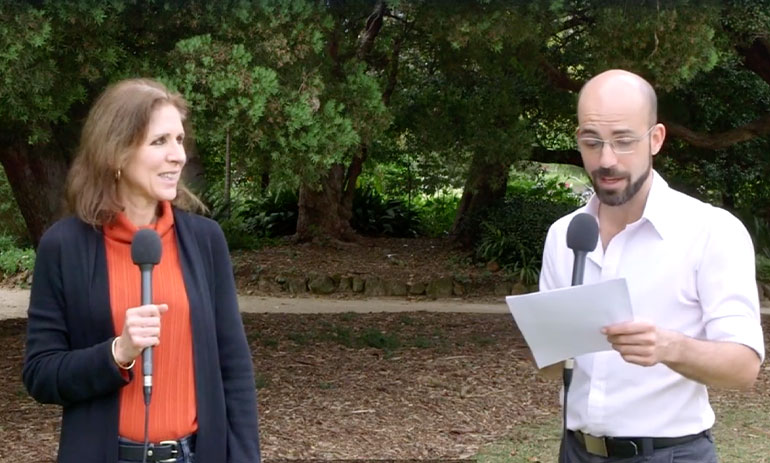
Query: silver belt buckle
{"x": 596, "y": 445}
{"x": 174, "y": 451}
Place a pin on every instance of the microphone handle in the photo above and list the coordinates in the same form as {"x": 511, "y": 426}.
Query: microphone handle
{"x": 146, "y": 271}
{"x": 578, "y": 268}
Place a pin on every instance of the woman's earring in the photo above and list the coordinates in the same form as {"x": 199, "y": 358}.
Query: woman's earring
{"x": 117, "y": 175}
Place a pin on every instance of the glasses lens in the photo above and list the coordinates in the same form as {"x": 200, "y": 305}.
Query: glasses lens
{"x": 589, "y": 144}
{"x": 624, "y": 144}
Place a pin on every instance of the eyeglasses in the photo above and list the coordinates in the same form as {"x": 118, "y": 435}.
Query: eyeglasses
{"x": 623, "y": 144}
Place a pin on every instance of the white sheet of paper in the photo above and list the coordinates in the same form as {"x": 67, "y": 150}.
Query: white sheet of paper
{"x": 566, "y": 322}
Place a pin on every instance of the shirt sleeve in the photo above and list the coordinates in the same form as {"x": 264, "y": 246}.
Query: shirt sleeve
{"x": 727, "y": 286}
{"x": 548, "y": 268}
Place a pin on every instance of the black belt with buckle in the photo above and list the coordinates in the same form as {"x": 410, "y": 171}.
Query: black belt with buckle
{"x": 625, "y": 447}
{"x": 166, "y": 451}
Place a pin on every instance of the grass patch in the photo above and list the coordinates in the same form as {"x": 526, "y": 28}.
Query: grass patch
{"x": 260, "y": 380}
{"x": 741, "y": 433}
{"x": 373, "y": 337}
{"x": 536, "y": 441}
{"x": 301, "y": 339}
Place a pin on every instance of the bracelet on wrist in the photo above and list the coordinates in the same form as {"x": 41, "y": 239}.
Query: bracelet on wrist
{"x": 115, "y": 358}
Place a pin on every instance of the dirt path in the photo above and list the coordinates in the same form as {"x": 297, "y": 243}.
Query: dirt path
{"x": 13, "y": 304}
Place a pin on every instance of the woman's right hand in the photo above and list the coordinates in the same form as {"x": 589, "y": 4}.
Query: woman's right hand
{"x": 141, "y": 329}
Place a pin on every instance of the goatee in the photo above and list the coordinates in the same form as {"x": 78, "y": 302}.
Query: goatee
{"x": 618, "y": 198}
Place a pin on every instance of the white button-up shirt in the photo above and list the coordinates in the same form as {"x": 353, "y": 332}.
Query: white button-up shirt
{"x": 690, "y": 268}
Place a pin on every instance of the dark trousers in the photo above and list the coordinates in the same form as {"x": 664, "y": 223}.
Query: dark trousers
{"x": 700, "y": 450}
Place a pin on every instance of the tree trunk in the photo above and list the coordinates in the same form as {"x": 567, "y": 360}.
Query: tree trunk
{"x": 37, "y": 177}
{"x": 322, "y": 213}
{"x": 486, "y": 184}
{"x": 326, "y": 212}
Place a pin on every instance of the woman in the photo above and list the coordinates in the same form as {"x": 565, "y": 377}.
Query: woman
{"x": 87, "y": 326}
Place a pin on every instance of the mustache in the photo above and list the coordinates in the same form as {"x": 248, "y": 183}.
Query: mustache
{"x": 607, "y": 172}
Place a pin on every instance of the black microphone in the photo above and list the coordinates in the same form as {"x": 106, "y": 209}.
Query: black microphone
{"x": 582, "y": 236}
{"x": 145, "y": 252}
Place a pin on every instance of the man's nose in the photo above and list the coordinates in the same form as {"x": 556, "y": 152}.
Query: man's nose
{"x": 607, "y": 157}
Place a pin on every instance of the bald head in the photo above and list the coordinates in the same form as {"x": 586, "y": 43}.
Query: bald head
{"x": 617, "y": 83}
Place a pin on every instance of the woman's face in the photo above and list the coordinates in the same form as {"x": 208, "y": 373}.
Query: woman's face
{"x": 153, "y": 172}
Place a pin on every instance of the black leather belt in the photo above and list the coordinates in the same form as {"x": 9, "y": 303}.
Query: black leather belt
{"x": 163, "y": 452}
{"x": 625, "y": 447}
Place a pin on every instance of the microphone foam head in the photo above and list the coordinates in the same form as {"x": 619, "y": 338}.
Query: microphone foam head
{"x": 146, "y": 247}
{"x": 583, "y": 233}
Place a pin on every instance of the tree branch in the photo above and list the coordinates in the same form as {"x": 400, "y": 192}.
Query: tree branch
{"x": 715, "y": 141}
{"x": 557, "y": 156}
{"x": 760, "y": 64}
{"x": 371, "y": 30}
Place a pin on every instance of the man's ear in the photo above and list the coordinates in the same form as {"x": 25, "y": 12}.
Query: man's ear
{"x": 657, "y": 136}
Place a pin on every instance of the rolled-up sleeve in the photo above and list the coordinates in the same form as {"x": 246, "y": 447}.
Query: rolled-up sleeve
{"x": 727, "y": 285}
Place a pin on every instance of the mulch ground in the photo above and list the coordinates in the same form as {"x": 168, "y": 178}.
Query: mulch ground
{"x": 402, "y": 386}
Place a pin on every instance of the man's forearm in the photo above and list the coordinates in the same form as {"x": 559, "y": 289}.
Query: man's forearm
{"x": 713, "y": 363}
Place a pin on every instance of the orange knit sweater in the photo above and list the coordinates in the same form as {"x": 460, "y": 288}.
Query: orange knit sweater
{"x": 172, "y": 409}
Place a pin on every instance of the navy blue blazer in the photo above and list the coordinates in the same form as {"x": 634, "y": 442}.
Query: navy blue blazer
{"x": 69, "y": 362}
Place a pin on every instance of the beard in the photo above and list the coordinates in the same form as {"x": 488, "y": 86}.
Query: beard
{"x": 618, "y": 198}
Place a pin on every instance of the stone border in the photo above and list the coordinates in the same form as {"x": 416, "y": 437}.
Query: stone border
{"x": 375, "y": 286}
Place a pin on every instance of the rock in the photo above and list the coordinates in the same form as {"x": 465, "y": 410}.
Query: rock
{"x": 358, "y": 284}
{"x": 416, "y": 289}
{"x": 397, "y": 288}
{"x": 375, "y": 287}
{"x": 519, "y": 288}
{"x": 321, "y": 285}
{"x": 441, "y": 287}
{"x": 502, "y": 288}
{"x": 458, "y": 288}
{"x": 346, "y": 284}
{"x": 268, "y": 285}
{"x": 493, "y": 266}
{"x": 297, "y": 285}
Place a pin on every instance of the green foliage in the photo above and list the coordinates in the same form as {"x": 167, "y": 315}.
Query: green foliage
{"x": 441, "y": 92}
{"x": 763, "y": 267}
{"x": 13, "y": 259}
{"x": 11, "y": 222}
{"x": 512, "y": 232}
{"x": 253, "y": 223}
{"x": 373, "y": 337}
{"x": 759, "y": 229}
{"x": 373, "y": 214}
{"x": 436, "y": 213}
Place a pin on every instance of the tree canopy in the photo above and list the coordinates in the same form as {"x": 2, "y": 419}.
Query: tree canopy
{"x": 306, "y": 95}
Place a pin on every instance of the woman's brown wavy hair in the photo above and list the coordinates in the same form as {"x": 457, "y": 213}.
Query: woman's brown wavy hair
{"x": 116, "y": 126}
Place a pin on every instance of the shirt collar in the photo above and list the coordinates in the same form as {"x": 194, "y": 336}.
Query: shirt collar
{"x": 656, "y": 209}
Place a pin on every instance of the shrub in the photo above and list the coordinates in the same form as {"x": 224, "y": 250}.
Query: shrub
{"x": 13, "y": 259}
{"x": 436, "y": 214}
{"x": 373, "y": 214}
{"x": 11, "y": 221}
{"x": 251, "y": 223}
{"x": 763, "y": 267}
{"x": 513, "y": 231}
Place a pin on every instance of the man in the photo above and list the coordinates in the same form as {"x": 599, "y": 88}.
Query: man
{"x": 690, "y": 273}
